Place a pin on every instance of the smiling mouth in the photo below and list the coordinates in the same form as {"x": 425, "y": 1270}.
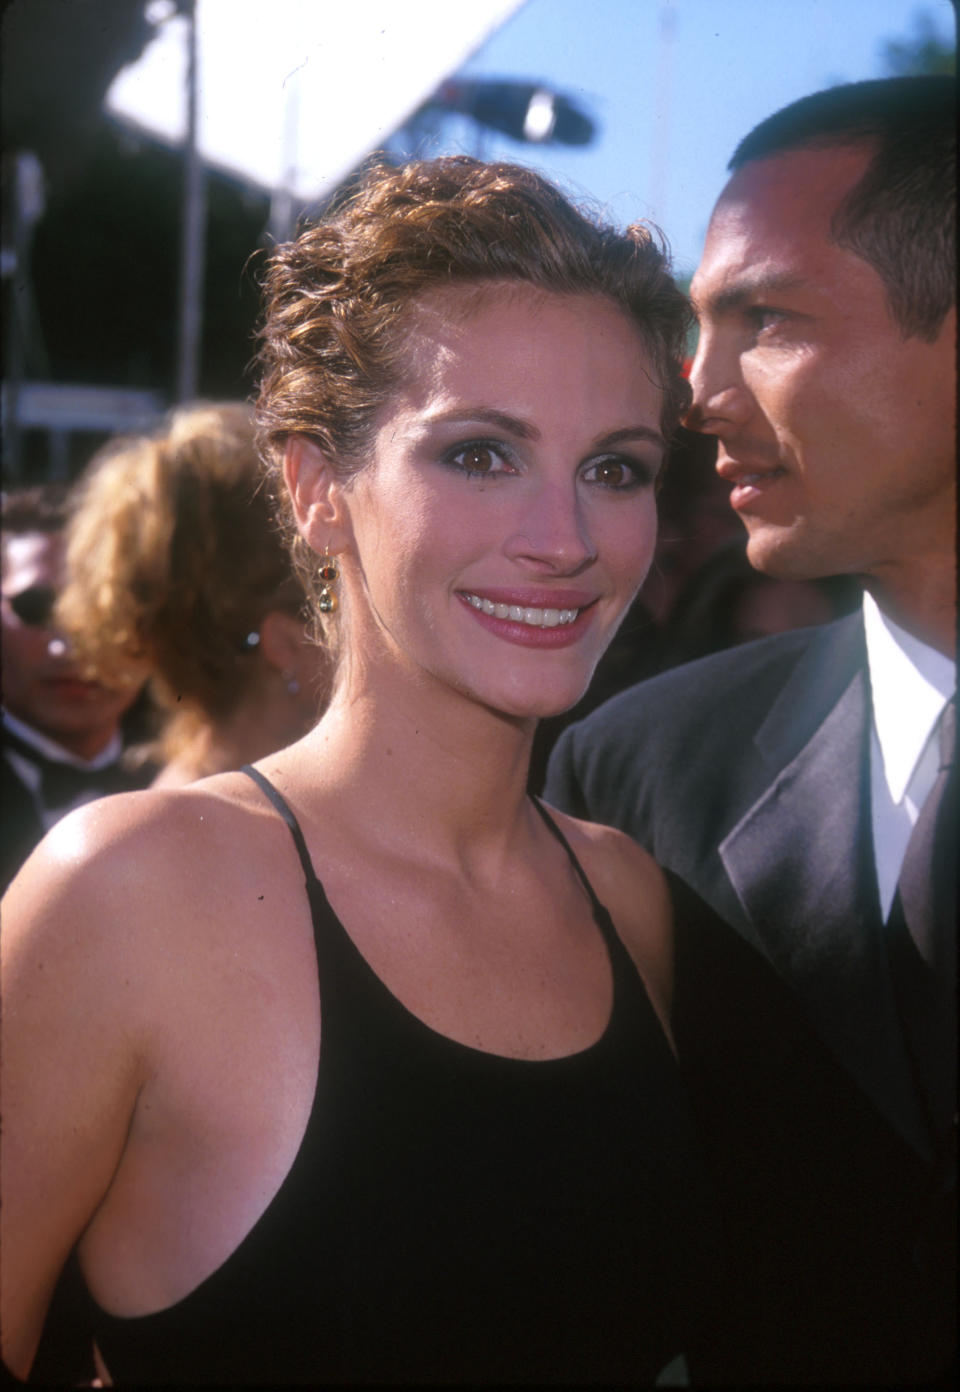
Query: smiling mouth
{"x": 532, "y": 616}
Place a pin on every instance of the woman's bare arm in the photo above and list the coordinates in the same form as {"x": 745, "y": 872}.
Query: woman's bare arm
{"x": 73, "y": 1053}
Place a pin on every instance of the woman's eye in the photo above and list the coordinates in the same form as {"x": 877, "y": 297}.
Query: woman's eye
{"x": 618, "y": 474}
{"x": 478, "y": 460}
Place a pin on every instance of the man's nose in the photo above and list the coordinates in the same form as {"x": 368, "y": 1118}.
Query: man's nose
{"x": 720, "y": 399}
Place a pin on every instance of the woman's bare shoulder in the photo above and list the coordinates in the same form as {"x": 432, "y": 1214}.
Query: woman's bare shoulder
{"x": 134, "y": 858}
{"x": 632, "y": 887}
{"x": 614, "y": 862}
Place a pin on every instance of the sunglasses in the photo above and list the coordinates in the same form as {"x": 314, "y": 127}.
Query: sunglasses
{"x": 34, "y": 605}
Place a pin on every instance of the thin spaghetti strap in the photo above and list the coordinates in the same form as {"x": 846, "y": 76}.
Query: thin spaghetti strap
{"x": 595, "y": 902}
{"x": 283, "y": 808}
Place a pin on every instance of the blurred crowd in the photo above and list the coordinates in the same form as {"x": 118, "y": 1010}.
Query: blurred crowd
{"x": 153, "y": 630}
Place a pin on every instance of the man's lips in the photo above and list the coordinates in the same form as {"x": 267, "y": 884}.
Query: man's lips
{"x": 74, "y": 686}
{"x": 750, "y": 481}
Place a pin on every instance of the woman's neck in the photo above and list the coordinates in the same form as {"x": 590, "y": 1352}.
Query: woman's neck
{"x": 207, "y": 751}
{"x": 422, "y": 764}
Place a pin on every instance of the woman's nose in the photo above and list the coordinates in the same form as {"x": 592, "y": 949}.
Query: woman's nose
{"x": 552, "y": 534}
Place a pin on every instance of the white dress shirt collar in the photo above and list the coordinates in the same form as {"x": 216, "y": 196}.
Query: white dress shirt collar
{"x": 48, "y": 747}
{"x": 910, "y": 683}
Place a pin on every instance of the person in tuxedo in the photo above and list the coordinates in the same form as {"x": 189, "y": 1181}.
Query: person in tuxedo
{"x": 802, "y": 785}
{"x": 61, "y": 733}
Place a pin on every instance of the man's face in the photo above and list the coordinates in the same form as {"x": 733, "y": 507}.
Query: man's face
{"x": 40, "y": 684}
{"x": 835, "y": 431}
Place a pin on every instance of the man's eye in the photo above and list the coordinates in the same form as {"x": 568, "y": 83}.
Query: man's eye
{"x": 764, "y": 318}
{"x": 34, "y": 605}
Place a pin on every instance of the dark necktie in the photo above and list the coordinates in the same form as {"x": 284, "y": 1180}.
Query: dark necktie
{"x": 927, "y": 883}
{"x": 922, "y": 937}
{"x": 923, "y": 949}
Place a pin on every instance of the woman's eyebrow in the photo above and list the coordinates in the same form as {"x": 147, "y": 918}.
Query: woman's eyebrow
{"x": 632, "y": 432}
{"x": 486, "y": 415}
{"x": 513, "y": 425}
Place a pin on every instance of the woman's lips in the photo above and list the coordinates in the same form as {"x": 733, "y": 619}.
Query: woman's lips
{"x": 556, "y": 621}
{"x": 534, "y": 616}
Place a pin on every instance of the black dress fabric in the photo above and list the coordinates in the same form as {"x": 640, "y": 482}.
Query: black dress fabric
{"x": 454, "y": 1216}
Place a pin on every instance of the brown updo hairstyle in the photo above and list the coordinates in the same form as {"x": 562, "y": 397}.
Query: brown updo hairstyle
{"x": 338, "y": 298}
{"x": 173, "y": 559}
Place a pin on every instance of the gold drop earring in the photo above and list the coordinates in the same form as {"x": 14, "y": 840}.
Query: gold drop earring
{"x": 329, "y": 575}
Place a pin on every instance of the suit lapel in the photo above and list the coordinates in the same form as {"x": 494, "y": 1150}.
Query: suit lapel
{"x": 800, "y": 860}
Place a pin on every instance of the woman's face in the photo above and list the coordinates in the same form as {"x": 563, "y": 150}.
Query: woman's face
{"x": 506, "y": 518}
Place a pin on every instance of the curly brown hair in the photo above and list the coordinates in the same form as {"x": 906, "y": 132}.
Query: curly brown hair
{"x": 173, "y": 558}
{"x": 338, "y": 299}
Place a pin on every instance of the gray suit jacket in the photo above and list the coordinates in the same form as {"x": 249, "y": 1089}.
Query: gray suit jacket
{"x": 746, "y": 774}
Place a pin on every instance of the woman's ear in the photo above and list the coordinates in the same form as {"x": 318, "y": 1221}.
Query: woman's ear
{"x": 281, "y": 639}
{"x": 315, "y": 492}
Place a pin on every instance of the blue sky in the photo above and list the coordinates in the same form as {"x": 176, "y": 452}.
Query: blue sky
{"x": 298, "y": 98}
{"x": 676, "y": 83}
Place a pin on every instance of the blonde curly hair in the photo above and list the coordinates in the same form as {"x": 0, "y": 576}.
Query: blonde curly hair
{"x": 173, "y": 559}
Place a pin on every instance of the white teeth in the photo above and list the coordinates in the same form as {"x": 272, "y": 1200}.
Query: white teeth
{"x": 536, "y": 618}
{"x": 750, "y": 479}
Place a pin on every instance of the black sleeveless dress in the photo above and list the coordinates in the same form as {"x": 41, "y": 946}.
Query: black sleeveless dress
{"x": 454, "y": 1216}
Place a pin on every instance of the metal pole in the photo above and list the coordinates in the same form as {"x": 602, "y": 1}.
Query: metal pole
{"x": 24, "y": 349}
{"x": 282, "y": 221}
{"x": 662, "y": 112}
{"x": 193, "y": 232}
{"x": 14, "y": 365}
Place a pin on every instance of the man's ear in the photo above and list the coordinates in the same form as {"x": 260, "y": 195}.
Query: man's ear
{"x": 315, "y": 492}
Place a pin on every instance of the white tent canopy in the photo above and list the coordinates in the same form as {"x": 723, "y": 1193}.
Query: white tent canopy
{"x": 293, "y": 93}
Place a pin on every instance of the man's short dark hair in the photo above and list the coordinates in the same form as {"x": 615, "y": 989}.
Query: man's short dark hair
{"x": 901, "y": 215}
